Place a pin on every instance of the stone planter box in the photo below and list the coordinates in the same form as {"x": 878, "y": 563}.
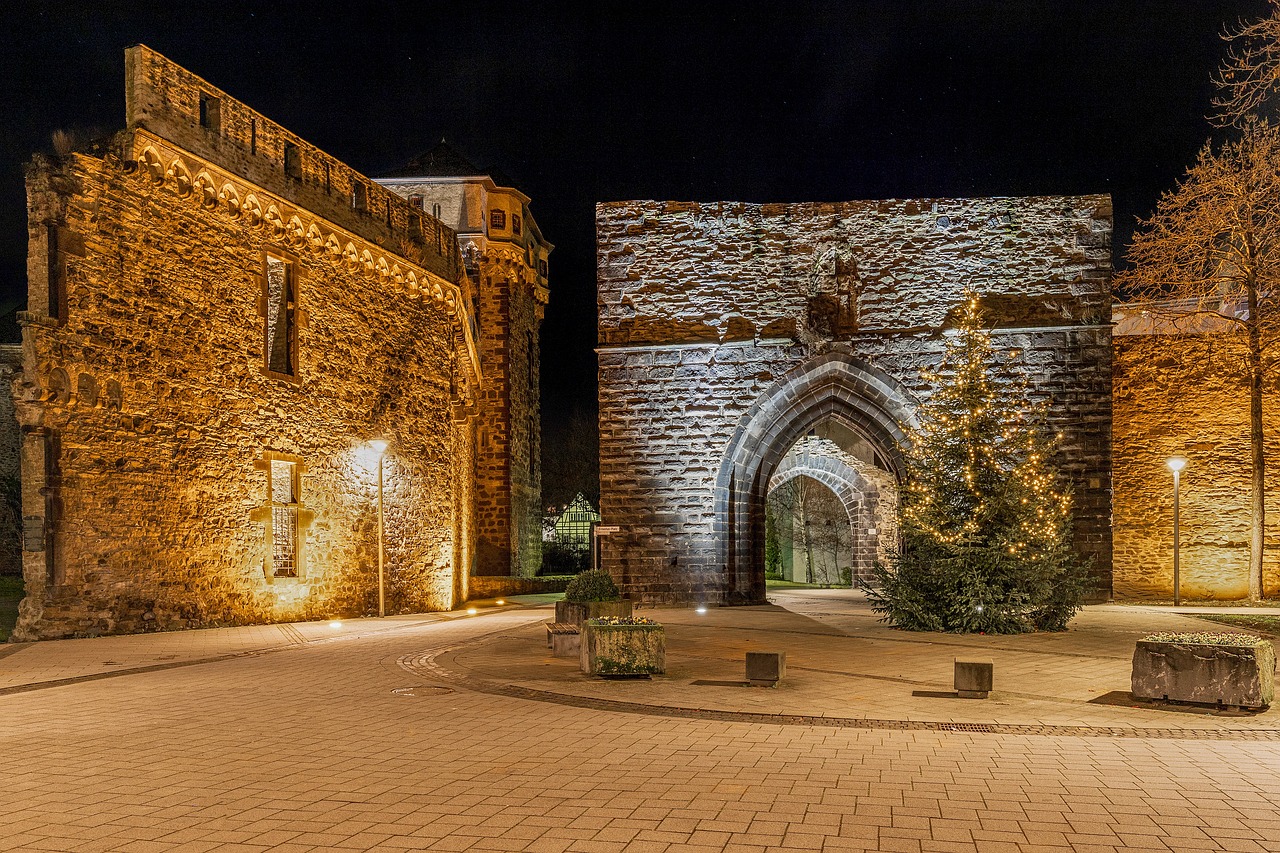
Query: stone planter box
{"x": 622, "y": 649}
{"x": 576, "y": 613}
{"x": 1217, "y": 669}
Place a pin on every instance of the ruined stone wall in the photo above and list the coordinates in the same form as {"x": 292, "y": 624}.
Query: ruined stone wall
{"x": 1188, "y": 395}
{"x": 150, "y": 418}
{"x": 706, "y": 309}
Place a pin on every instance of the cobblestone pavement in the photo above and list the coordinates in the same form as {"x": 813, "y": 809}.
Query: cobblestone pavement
{"x": 375, "y": 739}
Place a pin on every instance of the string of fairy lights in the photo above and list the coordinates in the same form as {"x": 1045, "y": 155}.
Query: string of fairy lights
{"x": 997, "y": 443}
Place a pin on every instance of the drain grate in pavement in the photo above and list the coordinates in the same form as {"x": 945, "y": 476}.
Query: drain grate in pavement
{"x": 422, "y": 690}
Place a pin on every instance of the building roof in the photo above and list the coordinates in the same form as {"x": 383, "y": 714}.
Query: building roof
{"x": 442, "y": 161}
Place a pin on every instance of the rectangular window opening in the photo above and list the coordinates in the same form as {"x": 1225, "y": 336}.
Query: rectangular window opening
{"x": 497, "y": 219}
{"x": 359, "y": 197}
{"x": 284, "y": 518}
{"x": 253, "y": 136}
{"x": 415, "y": 201}
{"x": 210, "y": 112}
{"x": 515, "y": 223}
{"x": 292, "y": 161}
{"x": 282, "y": 306}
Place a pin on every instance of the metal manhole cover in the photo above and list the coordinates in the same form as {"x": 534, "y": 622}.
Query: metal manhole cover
{"x": 422, "y": 690}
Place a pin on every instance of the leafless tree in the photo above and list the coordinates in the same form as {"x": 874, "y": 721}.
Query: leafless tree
{"x": 1250, "y": 78}
{"x": 1209, "y": 261}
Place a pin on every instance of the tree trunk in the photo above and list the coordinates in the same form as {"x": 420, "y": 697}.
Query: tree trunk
{"x": 1258, "y": 514}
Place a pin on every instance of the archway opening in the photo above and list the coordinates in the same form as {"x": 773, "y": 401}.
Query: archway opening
{"x": 836, "y": 420}
{"x": 831, "y": 509}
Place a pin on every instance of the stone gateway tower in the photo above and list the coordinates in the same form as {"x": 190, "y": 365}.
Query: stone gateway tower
{"x": 743, "y": 345}
{"x": 506, "y": 261}
{"x": 224, "y": 325}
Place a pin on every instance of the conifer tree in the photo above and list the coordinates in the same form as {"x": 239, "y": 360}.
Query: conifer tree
{"x": 985, "y": 519}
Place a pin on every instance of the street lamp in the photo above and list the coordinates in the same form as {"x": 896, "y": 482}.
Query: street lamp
{"x": 1176, "y": 464}
{"x": 379, "y": 446}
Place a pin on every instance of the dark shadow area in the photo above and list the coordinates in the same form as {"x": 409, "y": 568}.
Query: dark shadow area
{"x": 936, "y": 694}
{"x": 702, "y": 682}
{"x": 1125, "y": 699}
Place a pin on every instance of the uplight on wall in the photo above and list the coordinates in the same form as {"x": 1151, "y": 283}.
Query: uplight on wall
{"x": 1176, "y": 464}
{"x": 379, "y": 446}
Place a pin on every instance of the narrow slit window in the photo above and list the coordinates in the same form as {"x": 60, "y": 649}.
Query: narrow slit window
{"x": 292, "y": 161}
{"x": 282, "y": 306}
{"x": 515, "y": 223}
{"x": 359, "y": 197}
{"x": 435, "y": 211}
{"x": 210, "y": 112}
{"x": 284, "y": 518}
{"x": 253, "y": 136}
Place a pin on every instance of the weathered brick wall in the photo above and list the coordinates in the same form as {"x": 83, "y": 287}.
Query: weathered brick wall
{"x": 147, "y": 411}
{"x": 1187, "y": 395}
{"x": 707, "y": 312}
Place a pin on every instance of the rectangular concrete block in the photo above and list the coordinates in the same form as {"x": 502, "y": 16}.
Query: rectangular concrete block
{"x": 973, "y": 678}
{"x": 766, "y": 669}
{"x": 1242, "y": 675}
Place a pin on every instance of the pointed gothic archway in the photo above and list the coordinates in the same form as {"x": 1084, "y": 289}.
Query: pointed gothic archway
{"x": 832, "y": 387}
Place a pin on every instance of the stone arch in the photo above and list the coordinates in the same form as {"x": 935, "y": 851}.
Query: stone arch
{"x": 869, "y": 495}
{"x": 833, "y": 386}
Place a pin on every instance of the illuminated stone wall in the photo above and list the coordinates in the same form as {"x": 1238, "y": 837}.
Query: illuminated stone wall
{"x": 150, "y": 421}
{"x": 1187, "y": 395}
{"x": 727, "y": 330}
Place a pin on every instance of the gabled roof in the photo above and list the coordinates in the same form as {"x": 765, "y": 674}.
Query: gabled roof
{"x": 442, "y": 161}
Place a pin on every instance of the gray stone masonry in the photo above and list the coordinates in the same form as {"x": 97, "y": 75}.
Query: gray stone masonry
{"x": 728, "y": 330}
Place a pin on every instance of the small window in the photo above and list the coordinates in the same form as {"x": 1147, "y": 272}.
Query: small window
{"x": 497, "y": 219}
{"x": 435, "y": 211}
{"x": 292, "y": 161}
{"x": 253, "y": 136}
{"x": 359, "y": 197}
{"x": 282, "y": 490}
{"x": 542, "y": 267}
{"x": 281, "y": 343}
{"x": 415, "y": 223}
{"x": 515, "y": 223}
{"x": 415, "y": 201}
{"x": 210, "y": 113}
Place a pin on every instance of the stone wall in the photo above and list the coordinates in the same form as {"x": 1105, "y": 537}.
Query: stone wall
{"x": 728, "y": 330}
{"x": 151, "y": 420}
{"x": 1187, "y": 395}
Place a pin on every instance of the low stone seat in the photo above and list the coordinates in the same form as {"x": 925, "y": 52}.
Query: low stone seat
{"x": 973, "y": 678}
{"x": 563, "y": 638}
{"x": 766, "y": 669}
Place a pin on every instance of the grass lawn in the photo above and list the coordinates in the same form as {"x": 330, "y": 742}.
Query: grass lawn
{"x": 10, "y": 594}
{"x": 1261, "y": 624}
{"x": 775, "y": 584}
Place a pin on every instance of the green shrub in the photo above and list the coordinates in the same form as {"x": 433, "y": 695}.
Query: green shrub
{"x": 592, "y": 586}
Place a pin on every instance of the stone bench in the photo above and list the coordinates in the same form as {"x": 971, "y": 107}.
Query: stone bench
{"x": 973, "y": 678}
{"x": 766, "y": 669}
{"x": 563, "y": 639}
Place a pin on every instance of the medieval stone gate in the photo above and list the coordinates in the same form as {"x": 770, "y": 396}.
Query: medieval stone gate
{"x": 731, "y": 333}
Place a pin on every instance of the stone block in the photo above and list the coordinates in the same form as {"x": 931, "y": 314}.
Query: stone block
{"x": 766, "y": 669}
{"x": 973, "y": 678}
{"x": 563, "y": 639}
{"x": 576, "y": 613}
{"x": 1183, "y": 671}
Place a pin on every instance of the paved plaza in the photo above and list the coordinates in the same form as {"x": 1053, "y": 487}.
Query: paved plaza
{"x": 456, "y": 732}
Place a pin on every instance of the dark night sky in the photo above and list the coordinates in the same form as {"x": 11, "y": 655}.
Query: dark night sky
{"x": 792, "y": 101}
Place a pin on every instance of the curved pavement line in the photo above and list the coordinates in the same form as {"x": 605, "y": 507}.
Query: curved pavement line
{"x": 425, "y": 664}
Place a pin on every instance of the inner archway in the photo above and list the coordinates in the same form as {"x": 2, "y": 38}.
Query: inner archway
{"x": 831, "y": 510}
{"x": 853, "y": 404}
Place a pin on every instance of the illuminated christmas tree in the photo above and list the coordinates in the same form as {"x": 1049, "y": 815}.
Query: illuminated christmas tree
{"x": 985, "y": 516}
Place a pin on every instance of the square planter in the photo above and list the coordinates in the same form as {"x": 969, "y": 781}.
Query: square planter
{"x": 622, "y": 649}
{"x": 576, "y": 613}
{"x": 1218, "y": 669}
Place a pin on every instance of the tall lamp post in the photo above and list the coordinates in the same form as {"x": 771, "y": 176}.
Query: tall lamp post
{"x": 379, "y": 446}
{"x": 1176, "y": 464}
